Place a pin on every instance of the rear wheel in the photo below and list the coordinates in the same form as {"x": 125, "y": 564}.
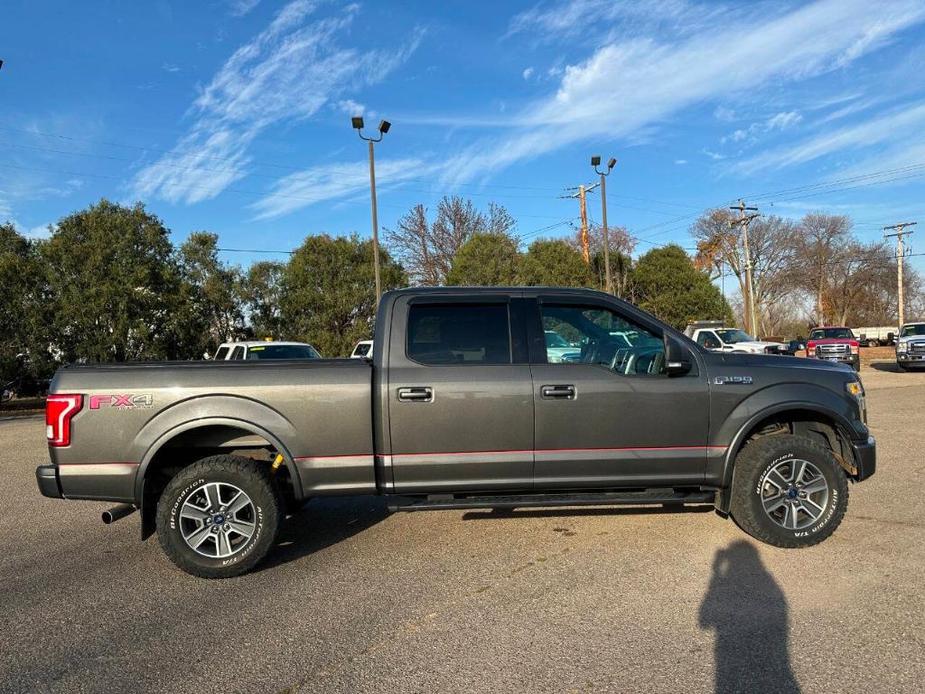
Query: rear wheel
{"x": 788, "y": 491}
{"x": 219, "y": 517}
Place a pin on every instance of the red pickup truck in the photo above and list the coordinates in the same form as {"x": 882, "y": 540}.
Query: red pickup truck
{"x": 834, "y": 344}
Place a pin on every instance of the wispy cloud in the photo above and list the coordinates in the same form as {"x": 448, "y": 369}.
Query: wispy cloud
{"x": 286, "y": 73}
{"x": 334, "y": 181}
{"x": 905, "y": 123}
{"x": 239, "y": 8}
{"x": 637, "y": 81}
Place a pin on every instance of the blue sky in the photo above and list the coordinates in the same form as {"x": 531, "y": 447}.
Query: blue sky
{"x": 233, "y": 115}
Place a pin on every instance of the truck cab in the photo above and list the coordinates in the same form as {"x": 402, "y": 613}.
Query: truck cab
{"x": 719, "y": 338}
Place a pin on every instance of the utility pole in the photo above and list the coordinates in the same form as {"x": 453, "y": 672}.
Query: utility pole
{"x": 899, "y": 231}
{"x": 744, "y": 220}
{"x": 581, "y": 193}
{"x": 357, "y": 123}
{"x": 595, "y": 162}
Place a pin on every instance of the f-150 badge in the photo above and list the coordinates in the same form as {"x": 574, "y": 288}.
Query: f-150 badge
{"x": 732, "y": 380}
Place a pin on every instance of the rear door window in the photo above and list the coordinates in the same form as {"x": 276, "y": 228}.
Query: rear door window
{"x": 442, "y": 334}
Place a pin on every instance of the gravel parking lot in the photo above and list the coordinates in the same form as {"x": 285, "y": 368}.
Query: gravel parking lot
{"x": 355, "y": 599}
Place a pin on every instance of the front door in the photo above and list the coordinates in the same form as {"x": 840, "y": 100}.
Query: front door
{"x": 460, "y": 397}
{"x": 606, "y": 413}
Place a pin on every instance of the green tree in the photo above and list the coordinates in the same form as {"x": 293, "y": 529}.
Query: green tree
{"x": 670, "y": 287}
{"x": 554, "y": 263}
{"x": 262, "y": 293}
{"x": 111, "y": 286}
{"x": 329, "y": 297}
{"x": 17, "y": 303}
{"x": 486, "y": 259}
{"x": 213, "y": 295}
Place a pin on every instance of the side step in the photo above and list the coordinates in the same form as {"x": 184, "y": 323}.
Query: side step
{"x": 450, "y": 502}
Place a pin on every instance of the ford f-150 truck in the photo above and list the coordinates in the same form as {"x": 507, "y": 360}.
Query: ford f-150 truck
{"x": 462, "y": 407}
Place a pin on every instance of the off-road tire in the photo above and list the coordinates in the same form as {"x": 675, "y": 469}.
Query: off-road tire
{"x": 250, "y": 476}
{"x": 762, "y": 454}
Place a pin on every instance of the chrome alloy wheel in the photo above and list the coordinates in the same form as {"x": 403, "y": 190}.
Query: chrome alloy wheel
{"x": 794, "y": 494}
{"x": 217, "y": 520}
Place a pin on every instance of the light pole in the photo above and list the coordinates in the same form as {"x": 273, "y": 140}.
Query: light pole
{"x": 595, "y": 162}
{"x": 357, "y": 123}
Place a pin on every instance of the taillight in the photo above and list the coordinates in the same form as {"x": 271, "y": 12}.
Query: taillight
{"x": 59, "y": 409}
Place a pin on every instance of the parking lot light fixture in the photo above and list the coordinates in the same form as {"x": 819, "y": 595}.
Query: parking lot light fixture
{"x": 357, "y": 123}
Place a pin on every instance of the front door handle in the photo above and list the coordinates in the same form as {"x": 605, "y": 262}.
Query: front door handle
{"x": 558, "y": 392}
{"x": 416, "y": 394}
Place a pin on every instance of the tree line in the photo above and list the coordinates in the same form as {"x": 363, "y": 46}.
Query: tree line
{"x": 108, "y": 284}
{"x": 813, "y": 271}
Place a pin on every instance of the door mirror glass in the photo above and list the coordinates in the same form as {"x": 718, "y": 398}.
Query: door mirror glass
{"x": 677, "y": 357}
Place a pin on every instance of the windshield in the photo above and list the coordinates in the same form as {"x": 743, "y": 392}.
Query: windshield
{"x": 282, "y": 352}
{"x": 556, "y": 340}
{"x": 730, "y": 337}
{"x": 913, "y": 329}
{"x": 831, "y": 334}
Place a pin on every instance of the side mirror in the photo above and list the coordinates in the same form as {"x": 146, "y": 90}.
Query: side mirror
{"x": 677, "y": 357}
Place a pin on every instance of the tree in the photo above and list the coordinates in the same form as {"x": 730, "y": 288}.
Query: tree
{"x": 772, "y": 245}
{"x": 17, "y": 303}
{"x": 427, "y": 250}
{"x": 111, "y": 286}
{"x": 486, "y": 259}
{"x": 669, "y": 286}
{"x": 821, "y": 244}
{"x": 216, "y": 292}
{"x": 328, "y": 291}
{"x": 621, "y": 245}
{"x": 554, "y": 263}
{"x": 262, "y": 293}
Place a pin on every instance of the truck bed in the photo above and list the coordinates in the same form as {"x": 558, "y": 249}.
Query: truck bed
{"x": 317, "y": 413}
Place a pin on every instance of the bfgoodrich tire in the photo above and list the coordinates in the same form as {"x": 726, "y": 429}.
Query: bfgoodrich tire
{"x": 219, "y": 517}
{"x": 788, "y": 491}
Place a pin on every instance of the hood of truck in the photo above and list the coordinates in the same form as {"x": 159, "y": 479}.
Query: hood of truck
{"x": 834, "y": 341}
{"x": 784, "y": 361}
{"x": 757, "y": 346}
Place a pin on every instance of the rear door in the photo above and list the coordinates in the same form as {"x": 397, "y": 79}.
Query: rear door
{"x": 460, "y": 396}
{"x": 610, "y": 416}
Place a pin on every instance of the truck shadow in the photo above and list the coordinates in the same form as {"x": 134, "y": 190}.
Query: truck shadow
{"x": 747, "y": 610}
{"x": 322, "y": 523}
{"x": 885, "y": 366}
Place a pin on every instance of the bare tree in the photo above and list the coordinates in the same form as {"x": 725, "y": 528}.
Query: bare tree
{"x": 821, "y": 244}
{"x": 426, "y": 250}
{"x": 772, "y": 245}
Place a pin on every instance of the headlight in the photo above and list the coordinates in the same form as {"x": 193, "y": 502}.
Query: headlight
{"x": 902, "y": 346}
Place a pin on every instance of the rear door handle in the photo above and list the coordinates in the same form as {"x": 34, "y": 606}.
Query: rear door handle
{"x": 416, "y": 394}
{"x": 558, "y": 392}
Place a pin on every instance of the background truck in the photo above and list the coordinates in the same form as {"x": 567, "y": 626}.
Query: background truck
{"x": 835, "y": 344}
{"x": 876, "y": 336}
{"x": 462, "y": 407}
{"x": 910, "y": 347}
{"x": 713, "y": 335}
{"x": 265, "y": 349}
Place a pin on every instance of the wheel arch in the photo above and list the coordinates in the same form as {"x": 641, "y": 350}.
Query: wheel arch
{"x": 799, "y": 417}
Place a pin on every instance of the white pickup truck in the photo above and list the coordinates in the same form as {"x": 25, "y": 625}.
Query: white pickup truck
{"x": 720, "y": 339}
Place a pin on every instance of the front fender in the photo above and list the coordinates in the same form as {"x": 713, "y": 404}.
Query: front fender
{"x": 785, "y": 397}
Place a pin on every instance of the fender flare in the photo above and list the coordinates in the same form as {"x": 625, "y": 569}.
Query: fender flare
{"x": 723, "y": 498}
{"x": 173, "y": 432}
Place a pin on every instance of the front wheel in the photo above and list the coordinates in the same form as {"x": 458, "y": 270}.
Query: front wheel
{"x": 219, "y": 517}
{"x": 788, "y": 491}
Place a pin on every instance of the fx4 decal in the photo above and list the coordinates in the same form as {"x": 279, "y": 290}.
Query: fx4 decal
{"x": 122, "y": 402}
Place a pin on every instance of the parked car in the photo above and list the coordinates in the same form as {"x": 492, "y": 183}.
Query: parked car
{"x": 558, "y": 349}
{"x": 910, "y": 347}
{"x": 834, "y": 343}
{"x": 876, "y": 336}
{"x": 461, "y": 408}
{"x": 721, "y": 339}
{"x": 362, "y": 350}
{"x": 233, "y": 351}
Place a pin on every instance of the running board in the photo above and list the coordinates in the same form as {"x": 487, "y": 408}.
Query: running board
{"x": 449, "y": 502}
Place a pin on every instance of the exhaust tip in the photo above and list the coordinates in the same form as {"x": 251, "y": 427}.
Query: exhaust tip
{"x": 116, "y": 512}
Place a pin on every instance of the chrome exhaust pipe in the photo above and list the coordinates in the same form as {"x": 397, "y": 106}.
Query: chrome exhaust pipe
{"x": 117, "y": 512}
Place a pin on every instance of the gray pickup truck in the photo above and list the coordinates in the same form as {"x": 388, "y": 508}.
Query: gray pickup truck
{"x": 461, "y": 406}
